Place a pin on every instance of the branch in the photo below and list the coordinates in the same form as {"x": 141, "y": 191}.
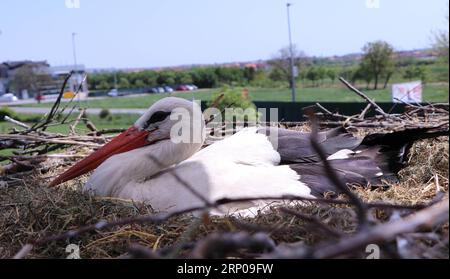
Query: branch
{"x": 16, "y": 122}
{"x": 33, "y": 138}
{"x": 365, "y": 111}
{"x": 332, "y": 175}
{"x": 364, "y": 96}
{"x": 314, "y": 221}
{"x": 77, "y": 120}
{"x": 426, "y": 218}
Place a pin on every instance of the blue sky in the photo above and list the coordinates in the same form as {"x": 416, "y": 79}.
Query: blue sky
{"x": 149, "y": 33}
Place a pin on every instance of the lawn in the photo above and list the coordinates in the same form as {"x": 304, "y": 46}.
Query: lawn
{"x": 432, "y": 93}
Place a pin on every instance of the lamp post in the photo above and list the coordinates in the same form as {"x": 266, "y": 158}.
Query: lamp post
{"x": 75, "y": 76}
{"x": 74, "y": 51}
{"x": 291, "y": 54}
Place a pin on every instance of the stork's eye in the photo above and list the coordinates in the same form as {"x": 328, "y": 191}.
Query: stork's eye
{"x": 157, "y": 117}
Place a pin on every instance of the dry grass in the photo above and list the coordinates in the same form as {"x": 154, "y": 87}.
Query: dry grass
{"x": 31, "y": 211}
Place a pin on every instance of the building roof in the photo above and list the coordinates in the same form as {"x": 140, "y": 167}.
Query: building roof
{"x": 11, "y": 65}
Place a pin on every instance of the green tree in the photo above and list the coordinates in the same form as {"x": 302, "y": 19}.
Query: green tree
{"x": 27, "y": 78}
{"x": 149, "y": 77}
{"x": 281, "y": 64}
{"x": 313, "y": 75}
{"x": 321, "y": 74}
{"x": 378, "y": 61}
{"x": 362, "y": 73}
{"x": 139, "y": 83}
{"x": 331, "y": 74}
{"x": 204, "y": 77}
{"x": 348, "y": 73}
{"x": 441, "y": 42}
{"x": 124, "y": 83}
{"x": 183, "y": 77}
{"x": 104, "y": 85}
{"x": 249, "y": 74}
{"x": 415, "y": 72}
{"x": 165, "y": 78}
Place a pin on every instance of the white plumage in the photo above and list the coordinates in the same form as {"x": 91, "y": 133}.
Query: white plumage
{"x": 240, "y": 166}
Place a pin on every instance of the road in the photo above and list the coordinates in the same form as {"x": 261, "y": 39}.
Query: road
{"x": 93, "y": 111}
{"x": 51, "y": 100}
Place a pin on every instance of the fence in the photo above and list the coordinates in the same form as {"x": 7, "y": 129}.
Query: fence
{"x": 291, "y": 112}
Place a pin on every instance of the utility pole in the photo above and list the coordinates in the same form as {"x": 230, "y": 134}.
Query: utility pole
{"x": 75, "y": 77}
{"x": 291, "y": 54}
{"x": 74, "y": 51}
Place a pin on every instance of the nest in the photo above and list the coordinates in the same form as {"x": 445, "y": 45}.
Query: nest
{"x": 32, "y": 211}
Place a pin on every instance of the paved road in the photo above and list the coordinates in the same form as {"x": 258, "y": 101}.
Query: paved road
{"x": 89, "y": 110}
{"x": 51, "y": 100}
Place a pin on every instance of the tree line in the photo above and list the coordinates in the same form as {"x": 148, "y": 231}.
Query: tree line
{"x": 375, "y": 68}
{"x": 203, "y": 77}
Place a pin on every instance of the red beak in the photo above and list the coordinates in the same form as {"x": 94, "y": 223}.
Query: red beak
{"x": 126, "y": 141}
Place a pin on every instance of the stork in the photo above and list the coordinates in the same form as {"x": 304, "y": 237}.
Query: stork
{"x": 146, "y": 164}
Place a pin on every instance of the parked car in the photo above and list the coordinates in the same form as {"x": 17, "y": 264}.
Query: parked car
{"x": 113, "y": 93}
{"x": 182, "y": 88}
{"x": 189, "y": 87}
{"x": 39, "y": 97}
{"x": 8, "y": 97}
{"x": 153, "y": 90}
{"x": 168, "y": 89}
{"x": 194, "y": 86}
{"x": 160, "y": 89}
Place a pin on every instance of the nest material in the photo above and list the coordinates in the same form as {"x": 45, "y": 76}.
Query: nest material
{"x": 32, "y": 211}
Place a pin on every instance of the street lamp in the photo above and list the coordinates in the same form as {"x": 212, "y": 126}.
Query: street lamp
{"x": 74, "y": 51}
{"x": 75, "y": 76}
{"x": 291, "y": 54}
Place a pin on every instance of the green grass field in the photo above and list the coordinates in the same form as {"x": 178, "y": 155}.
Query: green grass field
{"x": 432, "y": 93}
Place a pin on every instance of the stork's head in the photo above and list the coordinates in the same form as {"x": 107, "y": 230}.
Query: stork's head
{"x": 170, "y": 119}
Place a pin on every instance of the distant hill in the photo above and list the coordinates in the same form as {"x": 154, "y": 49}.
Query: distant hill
{"x": 352, "y": 57}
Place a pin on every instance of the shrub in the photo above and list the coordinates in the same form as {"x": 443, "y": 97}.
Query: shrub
{"x": 235, "y": 99}
{"x": 104, "y": 113}
{"x": 6, "y": 111}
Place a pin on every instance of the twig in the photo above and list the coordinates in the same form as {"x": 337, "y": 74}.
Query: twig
{"x": 184, "y": 183}
{"x": 364, "y": 96}
{"x": 427, "y": 218}
{"x": 16, "y": 122}
{"x": 337, "y": 115}
{"x": 332, "y": 175}
{"x": 365, "y": 111}
{"x": 53, "y": 110}
{"x": 160, "y": 217}
{"x": 46, "y": 140}
{"x": 77, "y": 120}
{"x": 314, "y": 221}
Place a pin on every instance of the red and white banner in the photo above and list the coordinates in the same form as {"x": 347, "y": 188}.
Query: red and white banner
{"x": 410, "y": 92}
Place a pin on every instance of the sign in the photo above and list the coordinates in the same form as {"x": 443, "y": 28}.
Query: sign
{"x": 295, "y": 71}
{"x": 410, "y": 92}
{"x": 68, "y": 95}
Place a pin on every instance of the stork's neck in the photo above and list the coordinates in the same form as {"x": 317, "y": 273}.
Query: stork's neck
{"x": 138, "y": 165}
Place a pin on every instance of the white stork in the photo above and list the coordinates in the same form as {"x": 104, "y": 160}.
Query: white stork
{"x": 145, "y": 164}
